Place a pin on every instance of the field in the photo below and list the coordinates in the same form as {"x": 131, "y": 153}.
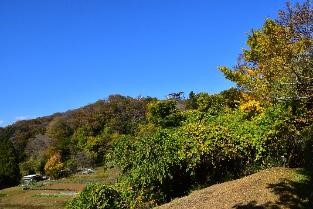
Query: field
{"x": 53, "y": 194}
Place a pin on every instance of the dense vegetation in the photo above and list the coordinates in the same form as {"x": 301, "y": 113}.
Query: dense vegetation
{"x": 9, "y": 171}
{"x": 166, "y": 148}
{"x": 266, "y": 121}
{"x": 74, "y": 139}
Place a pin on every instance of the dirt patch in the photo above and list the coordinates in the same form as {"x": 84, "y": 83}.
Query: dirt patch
{"x": 257, "y": 191}
{"x": 65, "y": 186}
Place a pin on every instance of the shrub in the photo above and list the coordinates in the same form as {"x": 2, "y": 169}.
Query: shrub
{"x": 162, "y": 164}
{"x": 150, "y": 165}
{"x": 97, "y": 196}
{"x": 205, "y": 149}
{"x": 165, "y": 114}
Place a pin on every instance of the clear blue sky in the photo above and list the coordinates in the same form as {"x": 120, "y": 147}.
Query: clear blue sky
{"x": 57, "y": 55}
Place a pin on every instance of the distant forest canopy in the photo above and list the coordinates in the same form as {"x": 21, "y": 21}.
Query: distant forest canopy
{"x": 165, "y": 148}
{"x": 84, "y": 132}
{"x": 81, "y": 137}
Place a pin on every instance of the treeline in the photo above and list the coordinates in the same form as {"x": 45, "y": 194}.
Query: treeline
{"x": 77, "y": 138}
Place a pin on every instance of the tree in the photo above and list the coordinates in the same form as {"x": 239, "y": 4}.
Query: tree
{"x": 60, "y": 132}
{"x": 164, "y": 114}
{"x": 191, "y": 102}
{"x": 278, "y": 64}
{"x": 212, "y": 104}
{"x": 31, "y": 166}
{"x": 54, "y": 166}
{"x": 231, "y": 97}
{"x": 58, "y": 129}
{"x": 9, "y": 170}
{"x": 178, "y": 96}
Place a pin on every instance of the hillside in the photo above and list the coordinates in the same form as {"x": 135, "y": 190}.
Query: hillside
{"x": 120, "y": 113}
{"x": 268, "y": 189}
{"x": 80, "y": 136}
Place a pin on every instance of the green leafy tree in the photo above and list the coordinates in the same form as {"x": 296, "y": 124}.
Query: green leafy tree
{"x": 30, "y": 166}
{"x": 164, "y": 114}
{"x": 210, "y": 103}
{"x": 58, "y": 129}
{"x": 191, "y": 102}
{"x": 231, "y": 97}
{"x": 9, "y": 170}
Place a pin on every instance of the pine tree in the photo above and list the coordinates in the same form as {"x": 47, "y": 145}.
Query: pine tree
{"x": 9, "y": 170}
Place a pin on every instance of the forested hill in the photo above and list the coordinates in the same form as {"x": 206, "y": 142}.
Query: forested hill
{"x": 82, "y": 136}
{"x": 119, "y": 114}
{"x": 35, "y": 139}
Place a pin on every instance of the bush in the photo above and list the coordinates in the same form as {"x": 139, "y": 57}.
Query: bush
{"x": 97, "y": 196}
{"x": 165, "y": 114}
{"x": 205, "y": 149}
{"x": 150, "y": 165}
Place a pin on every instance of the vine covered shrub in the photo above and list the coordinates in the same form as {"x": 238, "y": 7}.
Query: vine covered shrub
{"x": 97, "y": 196}
{"x": 150, "y": 165}
{"x": 164, "y": 114}
{"x": 204, "y": 150}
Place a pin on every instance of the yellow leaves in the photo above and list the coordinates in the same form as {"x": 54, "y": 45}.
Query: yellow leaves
{"x": 194, "y": 139}
{"x": 252, "y": 107}
{"x": 250, "y": 72}
{"x": 237, "y": 76}
{"x": 54, "y": 165}
{"x": 146, "y": 129}
{"x": 270, "y": 61}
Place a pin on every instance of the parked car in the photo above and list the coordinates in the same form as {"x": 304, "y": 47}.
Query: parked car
{"x": 31, "y": 179}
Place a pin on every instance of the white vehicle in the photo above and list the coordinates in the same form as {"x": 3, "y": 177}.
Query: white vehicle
{"x": 29, "y": 179}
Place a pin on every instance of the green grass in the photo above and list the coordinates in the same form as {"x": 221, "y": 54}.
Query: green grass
{"x": 48, "y": 195}
{"x": 2, "y": 195}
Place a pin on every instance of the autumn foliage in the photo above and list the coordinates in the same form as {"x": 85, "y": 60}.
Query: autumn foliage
{"x": 54, "y": 165}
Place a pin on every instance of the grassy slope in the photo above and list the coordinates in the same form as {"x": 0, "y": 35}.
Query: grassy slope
{"x": 269, "y": 189}
{"x": 52, "y": 194}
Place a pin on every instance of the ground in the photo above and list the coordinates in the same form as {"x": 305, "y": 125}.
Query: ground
{"x": 276, "y": 188}
{"x": 52, "y": 194}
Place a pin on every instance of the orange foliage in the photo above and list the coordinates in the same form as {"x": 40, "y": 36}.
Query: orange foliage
{"x": 54, "y": 166}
